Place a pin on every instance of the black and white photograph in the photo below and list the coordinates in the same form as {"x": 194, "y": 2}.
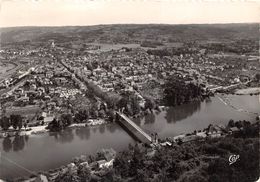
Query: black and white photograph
{"x": 129, "y": 91}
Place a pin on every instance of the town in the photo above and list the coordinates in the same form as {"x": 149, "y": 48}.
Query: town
{"x": 60, "y": 79}
{"x": 61, "y": 84}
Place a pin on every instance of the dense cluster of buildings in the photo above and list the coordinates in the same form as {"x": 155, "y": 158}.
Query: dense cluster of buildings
{"x": 42, "y": 93}
{"x": 57, "y": 77}
{"x": 123, "y": 69}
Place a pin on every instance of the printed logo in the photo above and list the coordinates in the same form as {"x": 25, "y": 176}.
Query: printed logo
{"x": 233, "y": 158}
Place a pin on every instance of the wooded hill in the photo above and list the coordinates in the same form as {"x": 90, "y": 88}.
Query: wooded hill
{"x": 132, "y": 33}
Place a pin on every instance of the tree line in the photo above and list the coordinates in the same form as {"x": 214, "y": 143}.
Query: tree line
{"x": 15, "y": 120}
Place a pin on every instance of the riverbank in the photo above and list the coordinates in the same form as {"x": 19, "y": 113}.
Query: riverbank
{"x": 94, "y": 165}
{"x": 248, "y": 91}
{"x": 36, "y": 130}
{"x": 28, "y": 131}
{"x": 92, "y": 122}
{"x": 203, "y": 144}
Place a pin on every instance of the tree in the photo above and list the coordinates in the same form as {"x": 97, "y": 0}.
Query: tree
{"x": 81, "y": 115}
{"x": 149, "y": 104}
{"x": 135, "y": 87}
{"x": 194, "y": 178}
{"x": 122, "y": 103}
{"x": 67, "y": 177}
{"x": 16, "y": 121}
{"x": 55, "y": 125}
{"x": 66, "y": 119}
{"x": 84, "y": 173}
{"x": 257, "y": 77}
{"x": 101, "y": 113}
{"x": 111, "y": 115}
{"x": 238, "y": 124}
{"x": 25, "y": 125}
{"x": 5, "y": 123}
{"x": 135, "y": 105}
{"x": 177, "y": 91}
{"x": 231, "y": 123}
{"x": 113, "y": 100}
{"x": 94, "y": 110}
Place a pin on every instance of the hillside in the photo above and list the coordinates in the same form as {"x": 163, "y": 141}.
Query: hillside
{"x": 131, "y": 33}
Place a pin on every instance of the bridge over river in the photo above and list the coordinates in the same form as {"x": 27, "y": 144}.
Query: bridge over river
{"x": 133, "y": 128}
{"x": 124, "y": 121}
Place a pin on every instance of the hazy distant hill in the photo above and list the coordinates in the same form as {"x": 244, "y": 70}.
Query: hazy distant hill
{"x": 131, "y": 33}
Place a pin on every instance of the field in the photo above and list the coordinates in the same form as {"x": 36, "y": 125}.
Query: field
{"x": 6, "y": 69}
{"x": 109, "y": 47}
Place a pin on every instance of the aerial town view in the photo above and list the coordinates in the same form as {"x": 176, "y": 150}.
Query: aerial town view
{"x": 124, "y": 102}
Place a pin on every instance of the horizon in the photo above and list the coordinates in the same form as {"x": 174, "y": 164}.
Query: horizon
{"x": 44, "y": 13}
{"x": 162, "y": 24}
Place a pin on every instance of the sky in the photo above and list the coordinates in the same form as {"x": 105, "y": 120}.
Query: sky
{"x": 91, "y": 12}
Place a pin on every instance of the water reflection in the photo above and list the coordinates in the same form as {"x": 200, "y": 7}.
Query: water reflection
{"x": 17, "y": 144}
{"x": 149, "y": 119}
{"x": 138, "y": 121}
{"x": 65, "y": 136}
{"x": 54, "y": 134}
{"x": 111, "y": 128}
{"x": 7, "y": 144}
{"x": 26, "y": 138}
{"x": 208, "y": 100}
{"x": 178, "y": 113}
{"x": 102, "y": 129}
{"x": 83, "y": 133}
{"x": 94, "y": 129}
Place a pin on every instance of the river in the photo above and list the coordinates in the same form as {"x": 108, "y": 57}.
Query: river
{"x": 21, "y": 155}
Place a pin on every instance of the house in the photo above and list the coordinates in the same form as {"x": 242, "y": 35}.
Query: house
{"x": 41, "y": 178}
{"x": 51, "y": 105}
{"x": 233, "y": 130}
{"x": 41, "y": 89}
{"x": 107, "y": 157}
{"x": 84, "y": 164}
{"x": 214, "y": 131}
{"x": 23, "y": 99}
{"x": 190, "y": 138}
{"x": 202, "y": 51}
{"x": 109, "y": 154}
{"x": 201, "y": 134}
{"x": 236, "y": 80}
{"x": 105, "y": 164}
{"x": 49, "y": 74}
{"x": 48, "y": 119}
{"x": 72, "y": 167}
{"x": 164, "y": 144}
{"x": 61, "y": 80}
